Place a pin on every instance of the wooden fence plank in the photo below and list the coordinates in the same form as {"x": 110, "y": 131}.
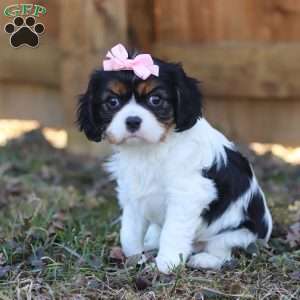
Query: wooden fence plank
{"x": 140, "y": 25}
{"x": 227, "y": 20}
{"x": 38, "y": 66}
{"x": 241, "y": 70}
{"x": 250, "y": 120}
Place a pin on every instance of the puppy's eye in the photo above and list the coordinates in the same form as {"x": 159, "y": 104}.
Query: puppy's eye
{"x": 155, "y": 101}
{"x": 113, "y": 102}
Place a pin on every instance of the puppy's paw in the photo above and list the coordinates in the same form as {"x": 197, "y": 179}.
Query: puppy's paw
{"x": 167, "y": 264}
{"x": 152, "y": 238}
{"x": 129, "y": 249}
{"x": 205, "y": 260}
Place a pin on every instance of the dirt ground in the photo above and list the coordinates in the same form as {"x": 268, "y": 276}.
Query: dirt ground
{"x": 59, "y": 235}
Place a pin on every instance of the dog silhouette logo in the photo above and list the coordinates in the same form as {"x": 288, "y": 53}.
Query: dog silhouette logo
{"x": 24, "y": 30}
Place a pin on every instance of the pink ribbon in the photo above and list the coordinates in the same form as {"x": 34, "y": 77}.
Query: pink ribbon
{"x": 142, "y": 65}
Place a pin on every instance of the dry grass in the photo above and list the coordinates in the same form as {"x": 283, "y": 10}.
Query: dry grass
{"x": 59, "y": 235}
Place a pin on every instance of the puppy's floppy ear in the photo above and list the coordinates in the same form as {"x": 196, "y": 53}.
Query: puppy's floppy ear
{"x": 86, "y": 115}
{"x": 188, "y": 108}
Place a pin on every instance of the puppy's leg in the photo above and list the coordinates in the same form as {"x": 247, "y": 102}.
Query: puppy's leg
{"x": 133, "y": 229}
{"x": 218, "y": 249}
{"x": 152, "y": 238}
{"x": 187, "y": 199}
{"x": 176, "y": 237}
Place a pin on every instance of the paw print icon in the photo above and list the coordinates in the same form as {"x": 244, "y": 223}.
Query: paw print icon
{"x": 24, "y": 32}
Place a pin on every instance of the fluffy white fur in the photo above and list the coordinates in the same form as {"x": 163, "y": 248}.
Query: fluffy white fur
{"x": 161, "y": 190}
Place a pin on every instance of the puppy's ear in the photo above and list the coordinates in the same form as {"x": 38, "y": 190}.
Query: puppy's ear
{"x": 188, "y": 108}
{"x": 86, "y": 119}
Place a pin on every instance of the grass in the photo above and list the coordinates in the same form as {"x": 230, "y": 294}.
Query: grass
{"x": 59, "y": 236}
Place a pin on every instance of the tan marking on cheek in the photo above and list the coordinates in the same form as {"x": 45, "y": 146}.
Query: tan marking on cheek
{"x": 146, "y": 87}
{"x": 112, "y": 140}
{"x": 168, "y": 127}
{"x": 118, "y": 87}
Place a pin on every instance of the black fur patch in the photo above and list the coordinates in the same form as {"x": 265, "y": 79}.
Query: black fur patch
{"x": 231, "y": 180}
{"x": 255, "y": 213}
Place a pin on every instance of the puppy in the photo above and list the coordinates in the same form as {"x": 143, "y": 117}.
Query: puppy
{"x": 180, "y": 182}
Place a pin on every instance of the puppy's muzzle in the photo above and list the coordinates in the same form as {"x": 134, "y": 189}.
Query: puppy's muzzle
{"x": 133, "y": 123}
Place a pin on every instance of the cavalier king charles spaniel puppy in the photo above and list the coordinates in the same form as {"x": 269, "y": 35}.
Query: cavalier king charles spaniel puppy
{"x": 183, "y": 187}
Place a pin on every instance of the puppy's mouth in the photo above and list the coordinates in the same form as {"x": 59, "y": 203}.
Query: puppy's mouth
{"x": 134, "y": 137}
{"x": 128, "y": 138}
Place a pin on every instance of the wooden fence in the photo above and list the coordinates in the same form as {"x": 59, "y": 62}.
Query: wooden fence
{"x": 245, "y": 52}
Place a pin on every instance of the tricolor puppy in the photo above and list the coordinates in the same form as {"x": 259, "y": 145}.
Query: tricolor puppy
{"x": 182, "y": 185}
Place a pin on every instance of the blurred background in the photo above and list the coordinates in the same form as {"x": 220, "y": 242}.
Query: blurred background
{"x": 246, "y": 54}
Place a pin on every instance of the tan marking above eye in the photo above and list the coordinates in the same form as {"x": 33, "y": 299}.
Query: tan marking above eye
{"x": 118, "y": 87}
{"x": 146, "y": 87}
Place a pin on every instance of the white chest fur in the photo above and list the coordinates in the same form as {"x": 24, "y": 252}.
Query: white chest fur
{"x": 141, "y": 183}
{"x": 148, "y": 174}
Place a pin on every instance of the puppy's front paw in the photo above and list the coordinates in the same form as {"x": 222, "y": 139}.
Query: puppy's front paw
{"x": 167, "y": 264}
{"x": 132, "y": 251}
{"x": 205, "y": 260}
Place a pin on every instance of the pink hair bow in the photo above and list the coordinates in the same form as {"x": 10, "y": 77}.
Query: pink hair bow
{"x": 142, "y": 65}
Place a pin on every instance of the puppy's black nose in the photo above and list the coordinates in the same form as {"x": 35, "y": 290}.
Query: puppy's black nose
{"x": 133, "y": 123}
